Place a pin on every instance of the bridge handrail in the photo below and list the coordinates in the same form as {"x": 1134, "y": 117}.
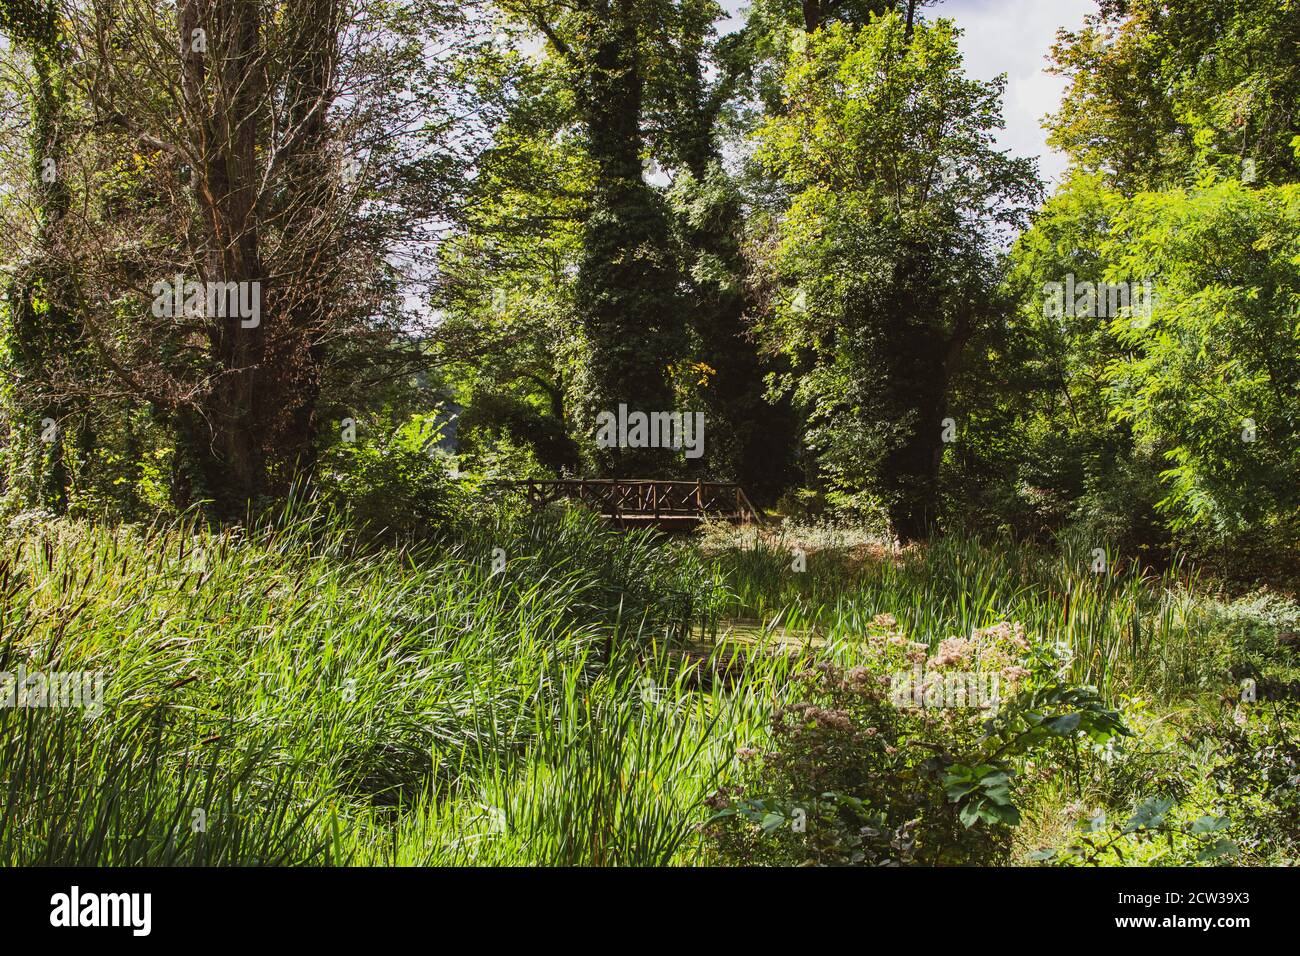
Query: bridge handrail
{"x": 743, "y": 507}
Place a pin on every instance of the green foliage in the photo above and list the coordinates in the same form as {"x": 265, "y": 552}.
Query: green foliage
{"x": 498, "y": 429}
{"x": 1038, "y": 448}
{"x": 410, "y": 667}
{"x": 747, "y": 442}
{"x": 1212, "y": 377}
{"x": 428, "y": 706}
{"x": 1124, "y": 626}
{"x": 856, "y": 776}
{"x": 1164, "y": 93}
{"x": 1170, "y": 423}
{"x": 850, "y": 779}
{"x": 513, "y": 350}
{"x": 1149, "y": 827}
{"x": 395, "y": 490}
{"x": 1256, "y": 771}
{"x": 888, "y": 250}
{"x": 327, "y": 705}
{"x": 636, "y": 577}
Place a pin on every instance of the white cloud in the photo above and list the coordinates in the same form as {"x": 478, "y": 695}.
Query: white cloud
{"x": 1013, "y": 37}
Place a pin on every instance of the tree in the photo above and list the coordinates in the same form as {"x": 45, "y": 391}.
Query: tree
{"x": 218, "y": 147}
{"x": 747, "y": 442}
{"x": 626, "y": 294}
{"x": 1060, "y": 455}
{"x": 1180, "y": 127}
{"x": 890, "y": 246}
{"x": 1213, "y": 373}
{"x": 1162, "y": 92}
{"x": 509, "y": 274}
{"x": 43, "y": 328}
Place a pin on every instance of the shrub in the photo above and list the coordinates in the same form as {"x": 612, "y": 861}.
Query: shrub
{"x": 1257, "y": 769}
{"x": 392, "y": 491}
{"x": 851, "y": 780}
{"x": 854, "y": 777}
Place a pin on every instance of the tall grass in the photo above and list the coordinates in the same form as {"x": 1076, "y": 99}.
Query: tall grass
{"x": 281, "y": 694}
{"x": 1128, "y": 628}
{"x": 274, "y": 695}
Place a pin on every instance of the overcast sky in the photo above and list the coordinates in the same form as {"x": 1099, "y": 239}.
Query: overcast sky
{"x": 1011, "y": 37}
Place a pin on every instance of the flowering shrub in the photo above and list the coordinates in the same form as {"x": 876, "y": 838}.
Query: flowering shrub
{"x": 857, "y": 773}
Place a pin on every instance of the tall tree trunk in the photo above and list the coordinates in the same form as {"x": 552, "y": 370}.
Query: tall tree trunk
{"x": 917, "y": 359}
{"x": 225, "y": 107}
{"x": 45, "y": 331}
{"x": 627, "y": 279}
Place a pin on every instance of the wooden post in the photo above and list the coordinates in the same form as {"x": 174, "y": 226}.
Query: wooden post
{"x": 758, "y": 518}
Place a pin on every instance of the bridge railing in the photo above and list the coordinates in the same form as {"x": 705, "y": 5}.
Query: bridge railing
{"x": 643, "y": 498}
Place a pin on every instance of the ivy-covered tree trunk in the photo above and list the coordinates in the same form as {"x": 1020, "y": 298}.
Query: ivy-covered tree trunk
{"x": 627, "y": 296}
{"x": 44, "y": 336}
{"x": 734, "y": 391}
{"x": 747, "y": 441}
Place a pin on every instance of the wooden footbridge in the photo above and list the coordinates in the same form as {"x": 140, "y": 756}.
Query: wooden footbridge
{"x": 639, "y": 502}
